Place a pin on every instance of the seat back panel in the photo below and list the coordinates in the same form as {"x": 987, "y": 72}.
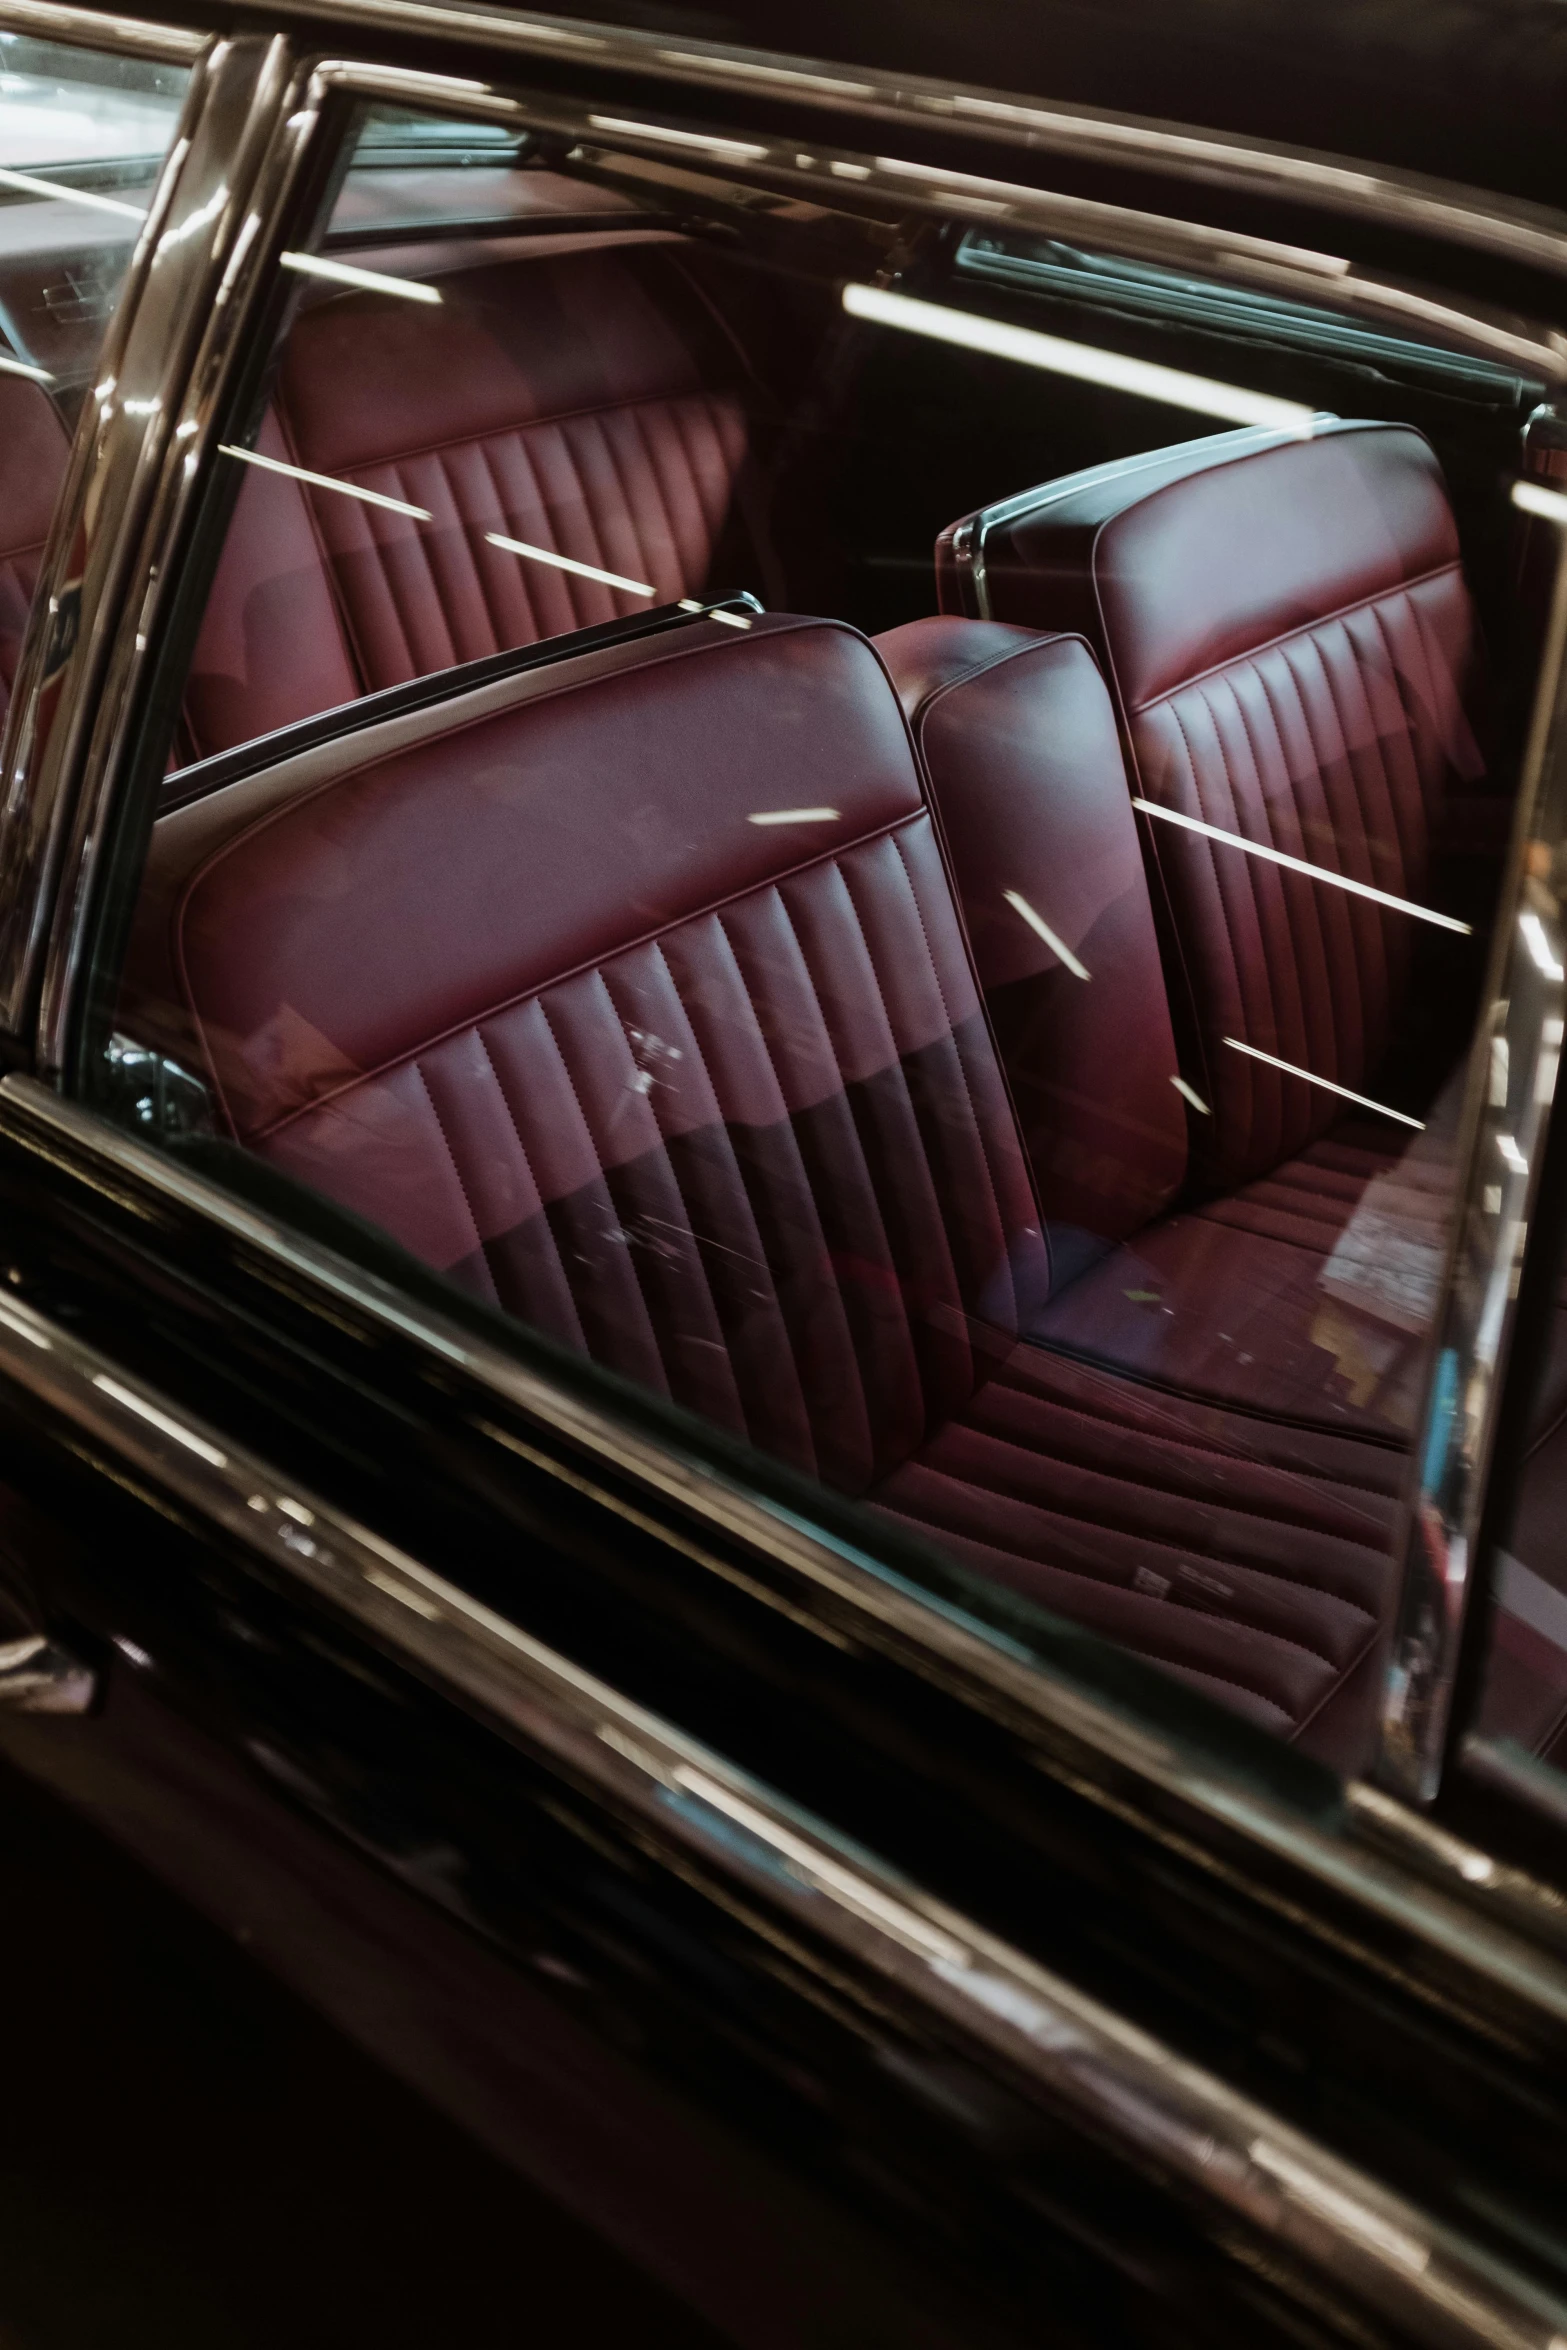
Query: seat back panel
{"x": 539, "y": 997}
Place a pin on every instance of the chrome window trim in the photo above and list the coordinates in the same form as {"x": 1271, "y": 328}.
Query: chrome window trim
{"x": 1228, "y": 2154}
{"x": 124, "y": 36}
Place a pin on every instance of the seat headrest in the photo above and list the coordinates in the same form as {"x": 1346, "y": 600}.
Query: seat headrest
{"x": 409, "y": 893}
{"x": 1225, "y": 560}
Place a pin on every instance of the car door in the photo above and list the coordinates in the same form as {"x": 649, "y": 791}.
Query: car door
{"x": 493, "y": 555}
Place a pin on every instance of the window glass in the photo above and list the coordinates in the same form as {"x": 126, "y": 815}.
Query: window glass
{"x": 81, "y": 139}
{"x": 900, "y": 852}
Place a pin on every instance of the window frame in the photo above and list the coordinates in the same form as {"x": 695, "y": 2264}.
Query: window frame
{"x": 139, "y": 484}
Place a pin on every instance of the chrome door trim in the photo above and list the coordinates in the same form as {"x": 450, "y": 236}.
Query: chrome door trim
{"x": 1233, "y": 2157}
{"x": 1489, "y": 1919}
{"x": 1511, "y": 1089}
{"x": 130, "y": 464}
{"x": 846, "y": 179}
{"x": 1532, "y": 234}
{"x": 84, "y": 28}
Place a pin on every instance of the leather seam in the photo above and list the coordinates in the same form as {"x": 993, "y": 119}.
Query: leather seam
{"x": 1166, "y": 1492}
{"x": 1104, "y": 1583}
{"x": 980, "y": 1132}
{"x": 539, "y": 988}
{"x": 522, "y": 1149}
{"x": 983, "y": 663}
{"x": 1381, "y": 595}
{"x": 502, "y": 432}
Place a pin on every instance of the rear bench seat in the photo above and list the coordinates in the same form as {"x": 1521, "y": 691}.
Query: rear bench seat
{"x": 717, "y": 1104}
{"x": 581, "y": 396}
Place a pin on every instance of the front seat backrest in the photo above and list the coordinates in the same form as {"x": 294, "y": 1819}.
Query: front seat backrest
{"x": 1287, "y": 629}
{"x": 640, "y": 1006}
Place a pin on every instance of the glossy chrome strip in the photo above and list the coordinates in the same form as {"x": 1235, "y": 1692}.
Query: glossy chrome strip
{"x": 1512, "y": 1085}
{"x": 130, "y": 469}
{"x": 125, "y": 36}
{"x": 1532, "y": 234}
{"x": 1232, "y": 2157}
{"x": 1457, "y": 1910}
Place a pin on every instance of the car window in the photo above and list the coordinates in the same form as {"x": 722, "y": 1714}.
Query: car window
{"x": 888, "y": 832}
{"x": 81, "y": 139}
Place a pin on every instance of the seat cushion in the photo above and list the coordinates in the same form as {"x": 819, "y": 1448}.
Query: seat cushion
{"x": 588, "y": 403}
{"x": 1252, "y": 1560}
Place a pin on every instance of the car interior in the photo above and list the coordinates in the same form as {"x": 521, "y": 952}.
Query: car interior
{"x": 928, "y": 912}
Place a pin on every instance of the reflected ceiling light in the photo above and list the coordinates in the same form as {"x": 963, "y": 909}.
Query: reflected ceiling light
{"x": 1532, "y": 498}
{"x": 1168, "y": 385}
{"x": 161, "y": 1420}
{"x": 1326, "y": 1083}
{"x": 88, "y": 196}
{"x": 633, "y": 587}
{"x": 1187, "y": 1095}
{"x": 1512, "y": 1154}
{"x": 37, "y": 375}
{"x": 731, "y": 150}
{"x": 1255, "y": 848}
{"x": 1539, "y": 945}
{"x": 794, "y": 816}
{"x": 325, "y": 481}
{"x": 729, "y": 619}
{"x": 1041, "y": 929}
{"x": 344, "y": 273}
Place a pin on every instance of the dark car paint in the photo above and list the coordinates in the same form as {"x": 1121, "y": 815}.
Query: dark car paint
{"x": 1415, "y": 2067}
{"x": 459, "y": 1910}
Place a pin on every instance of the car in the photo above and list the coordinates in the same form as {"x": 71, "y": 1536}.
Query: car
{"x": 782, "y": 970}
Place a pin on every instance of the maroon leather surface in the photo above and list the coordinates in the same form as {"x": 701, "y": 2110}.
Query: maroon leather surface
{"x": 1019, "y": 742}
{"x": 272, "y": 647}
{"x": 715, "y": 1102}
{"x": 33, "y": 451}
{"x": 1253, "y": 1561}
{"x": 581, "y": 402}
{"x": 718, "y": 1111}
{"x": 1225, "y": 1302}
{"x": 1290, "y": 639}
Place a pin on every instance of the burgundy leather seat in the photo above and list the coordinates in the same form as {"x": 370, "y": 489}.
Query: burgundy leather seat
{"x": 33, "y": 451}
{"x": 715, "y": 1102}
{"x": 586, "y": 400}
{"x": 1289, "y": 637}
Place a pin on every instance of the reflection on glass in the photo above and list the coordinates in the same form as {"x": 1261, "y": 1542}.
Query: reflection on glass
{"x": 1006, "y": 1072}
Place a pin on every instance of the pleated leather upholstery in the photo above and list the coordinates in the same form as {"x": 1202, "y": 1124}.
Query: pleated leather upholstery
{"x": 583, "y": 403}
{"x": 715, "y": 1103}
{"x": 1251, "y": 1559}
{"x": 1333, "y": 745}
{"x": 716, "y": 1109}
{"x": 1287, "y": 630}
